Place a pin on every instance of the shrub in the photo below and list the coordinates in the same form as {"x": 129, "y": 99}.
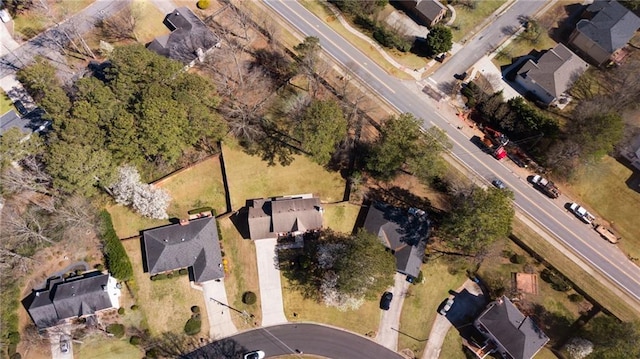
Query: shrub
{"x": 116, "y": 329}
{"x": 115, "y": 255}
{"x": 13, "y": 337}
{"x": 419, "y": 278}
{"x": 518, "y": 259}
{"x": 195, "y": 309}
{"x": 134, "y": 340}
{"x": 152, "y": 353}
{"x": 556, "y": 280}
{"x": 575, "y": 298}
{"x": 365, "y": 22}
{"x": 134, "y": 307}
{"x": 202, "y": 209}
{"x": 169, "y": 275}
{"x": 249, "y": 298}
{"x": 183, "y": 271}
{"x": 99, "y": 267}
{"x": 202, "y": 4}
{"x": 121, "y": 311}
{"x": 160, "y": 276}
{"x": 193, "y": 326}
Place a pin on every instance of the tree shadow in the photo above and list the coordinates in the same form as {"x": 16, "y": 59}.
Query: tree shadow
{"x": 240, "y": 220}
{"x": 177, "y": 346}
{"x": 403, "y": 198}
{"x": 565, "y": 27}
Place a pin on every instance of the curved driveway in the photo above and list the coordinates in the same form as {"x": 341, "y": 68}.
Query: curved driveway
{"x": 305, "y": 337}
{"x": 407, "y": 97}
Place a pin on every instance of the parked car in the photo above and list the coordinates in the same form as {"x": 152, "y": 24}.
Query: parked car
{"x": 581, "y": 213}
{"x": 447, "y": 305}
{"x": 256, "y": 354}
{"x": 385, "y": 301}
{"x": 461, "y": 76}
{"x": 20, "y": 107}
{"x": 64, "y": 345}
{"x": 499, "y": 184}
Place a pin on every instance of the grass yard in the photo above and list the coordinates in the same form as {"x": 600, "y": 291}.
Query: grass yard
{"x": 363, "y": 321}
{"x": 421, "y": 304}
{"x": 243, "y": 272}
{"x": 520, "y": 47}
{"x": 341, "y": 217}
{"x": 30, "y": 23}
{"x": 150, "y": 24}
{"x": 165, "y": 303}
{"x": 602, "y": 187}
{"x": 98, "y": 346}
{"x": 467, "y": 19}
{"x": 251, "y": 177}
{"x": 5, "y": 103}
{"x": 452, "y": 347}
{"x": 127, "y": 223}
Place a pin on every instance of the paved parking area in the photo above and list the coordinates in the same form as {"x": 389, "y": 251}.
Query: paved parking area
{"x": 215, "y": 297}
{"x": 270, "y": 284}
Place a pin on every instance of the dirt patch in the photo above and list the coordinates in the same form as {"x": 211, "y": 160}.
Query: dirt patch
{"x": 526, "y": 283}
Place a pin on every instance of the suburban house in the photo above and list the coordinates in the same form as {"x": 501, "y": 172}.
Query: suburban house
{"x": 605, "y": 29}
{"x": 192, "y": 244}
{"x": 632, "y": 152}
{"x": 405, "y": 233}
{"x": 283, "y": 216}
{"x": 551, "y": 75}
{"x": 429, "y": 12}
{"x": 75, "y": 297}
{"x": 189, "y": 40}
{"x": 508, "y": 331}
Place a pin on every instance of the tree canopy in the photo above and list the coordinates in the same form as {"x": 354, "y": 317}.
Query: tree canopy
{"x": 439, "y": 40}
{"x": 40, "y": 81}
{"x": 321, "y": 129}
{"x": 612, "y": 338}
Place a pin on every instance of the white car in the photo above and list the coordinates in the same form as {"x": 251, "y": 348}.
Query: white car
{"x": 256, "y": 354}
{"x": 447, "y": 305}
{"x": 582, "y": 213}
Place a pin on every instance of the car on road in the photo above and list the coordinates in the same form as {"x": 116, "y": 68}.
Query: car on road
{"x": 447, "y": 305}
{"x": 20, "y": 107}
{"x": 64, "y": 345}
{"x": 461, "y": 76}
{"x": 581, "y": 213}
{"x": 385, "y": 301}
{"x": 256, "y": 354}
{"x": 498, "y": 183}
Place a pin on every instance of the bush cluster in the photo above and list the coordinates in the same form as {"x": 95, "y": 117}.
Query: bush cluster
{"x": 193, "y": 325}
{"x": 383, "y": 35}
{"x": 518, "y": 259}
{"x": 556, "y": 280}
{"x": 249, "y": 298}
{"x": 121, "y": 311}
{"x": 114, "y": 253}
{"x": 195, "y": 309}
{"x": 116, "y": 329}
{"x": 134, "y": 340}
{"x": 169, "y": 275}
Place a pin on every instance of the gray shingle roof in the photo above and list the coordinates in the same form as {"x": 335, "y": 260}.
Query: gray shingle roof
{"x": 555, "y": 70}
{"x": 518, "y": 334}
{"x": 429, "y": 8}
{"x": 611, "y": 27}
{"x": 404, "y": 234}
{"x": 268, "y": 217}
{"x": 177, "y": 246}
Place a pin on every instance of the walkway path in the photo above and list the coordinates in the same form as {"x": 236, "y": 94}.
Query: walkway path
{"x": 270, "y": 284}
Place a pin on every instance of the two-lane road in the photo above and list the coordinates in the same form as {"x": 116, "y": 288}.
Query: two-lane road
{"x": 406, "y": 97}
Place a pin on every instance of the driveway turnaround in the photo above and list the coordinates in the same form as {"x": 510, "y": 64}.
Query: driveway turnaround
{"x": 56, "y": 336}
{"x": 218, "y": 311}
{"x": 390, "y": 319}
{"x": 270, "y": 285}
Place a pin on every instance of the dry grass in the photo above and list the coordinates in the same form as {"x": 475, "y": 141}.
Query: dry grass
{"x": 467, "y": 19}
{"x": 30, "y": 23}
{"x": 520, "y": 47}
{"x": 100, "y": 347}
{"x": 452, "y": 347}
{"x": 165, "y": 303}
{"x": 421, "y": 304}
{"x": 5, "y": 102}
{"x": 250, "y": 177}
{"x": 341, "y": 217}
{"x": 150, "y": 24}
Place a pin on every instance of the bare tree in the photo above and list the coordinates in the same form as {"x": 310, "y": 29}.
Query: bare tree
{"x": 27, "y": 228}
{"x": 123, "y": 25}
{"x": 30, "y": 176}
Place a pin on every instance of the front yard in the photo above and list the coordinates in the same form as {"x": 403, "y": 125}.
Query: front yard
{"x": 98, "y": 347}
{"x": 468, "y": 18}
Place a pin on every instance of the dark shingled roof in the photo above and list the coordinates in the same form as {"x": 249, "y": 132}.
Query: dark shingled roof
{"x": 405, "y": 234}
{"x": 75, "y": 297}
{"x": 430, "y": 8}
{"x": 268, "y": 217}
{"x": 518, "y": 334}
{"x": 177, "y": 246}
{"x": 611, "y": 27}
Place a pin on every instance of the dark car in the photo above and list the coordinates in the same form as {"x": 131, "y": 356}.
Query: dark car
{"x": 385, "y": 301}
{"x": 20, "y": 107}
{"x": 461, "y": 76}
{"x": 499, "y": 184}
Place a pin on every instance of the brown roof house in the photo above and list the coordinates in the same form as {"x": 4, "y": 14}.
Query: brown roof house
{"x": 75, "y": 297}
{"x": 405, "y": 233}
{"x": 605, "y": 29}
{"x": 508, "y": 331}
{"x": 189, "y": 40}
{"x": 551, "y": 75}
{"x": 190, "y": 244}
{"x": 282, "y": 216}
{"x": 429, "y": 12}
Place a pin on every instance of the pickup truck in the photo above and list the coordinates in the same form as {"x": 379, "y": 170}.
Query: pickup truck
{"x": 606, "y": 233}
{"x": 582, "y": 213}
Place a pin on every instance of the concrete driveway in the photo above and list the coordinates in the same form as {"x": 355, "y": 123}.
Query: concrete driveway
{"x": 8, "y": 43}
{"x": 390, "y": 319}
{"x": 270, "y": 285}
{"x": 215, "y": 297}
{"x": 55, "y": 336}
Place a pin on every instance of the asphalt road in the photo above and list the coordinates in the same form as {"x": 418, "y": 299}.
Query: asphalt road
{"x": 406, "y": 96}
{"x": 287, "y": 338}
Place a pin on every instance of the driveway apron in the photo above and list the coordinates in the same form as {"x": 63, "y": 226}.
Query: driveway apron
{"x": 390, "y": 319}
{"x": 219, "y": 314}
{"x": 270, "y": 285}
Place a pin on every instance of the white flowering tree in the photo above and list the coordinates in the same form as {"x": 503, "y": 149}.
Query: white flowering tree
{"x": 579, "y": 348}
{"x": 146, "y": 199}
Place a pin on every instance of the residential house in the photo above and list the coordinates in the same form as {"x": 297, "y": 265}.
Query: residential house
{"x": 189, "y": 40}
{"x": 192, "y": 244}
{"x": 404, "y": 233}
{"x": 551, "y": 75}
{"x": 429, "y": 12}
{"x": 605, "y": 29}
{"x": 75, "y": 297}
{"x": 282, "y": 216}
{"x": 508, "y": 331}
{"x": 632, "y": 152}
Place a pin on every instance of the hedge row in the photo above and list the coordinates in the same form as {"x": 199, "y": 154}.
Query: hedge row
{"x": 170, "y": 275}
{"x": 383, "y": 35}
{"x": 114, "y": 253}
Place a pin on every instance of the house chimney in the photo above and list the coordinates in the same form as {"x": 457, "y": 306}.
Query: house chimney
{"x": 184, "y": 222}
{"x": 37, "y": 294}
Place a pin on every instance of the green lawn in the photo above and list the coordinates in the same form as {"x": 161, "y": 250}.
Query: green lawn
{"x": 341, "y": 217}
{"x": 520, "y": 47}
{"x": 100, "y": 347}
{"x": 452, "y": 347}
{"x": 421, "y": 304}
{"x": 467, "y": 19}
{"x": 251, "y": 177}
{"x": 5, "y": 102}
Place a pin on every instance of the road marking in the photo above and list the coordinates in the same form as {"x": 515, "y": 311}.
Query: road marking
{"x": 284, "y": 3}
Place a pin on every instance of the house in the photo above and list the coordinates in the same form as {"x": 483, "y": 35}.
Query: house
{"x": 282, "y": 216}
{"x": 605, "y": 29}
{"x": 508, "y": 331}
{"x": 632, "y": 152}
{"x": 189, "y": 40}
{"x": 192, "y": 244}
{"x": 429, "y": 12}
{"x": 75, "y": 297}
{"x": 552, "y": 74}
{"x": 404, "y": 233}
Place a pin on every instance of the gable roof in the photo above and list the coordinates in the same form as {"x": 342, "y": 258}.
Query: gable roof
{"x": 519, "y": 335}
{"x": 268, "y": 217}
{"x": 555, "y": 71}
{"x": 75, "y": 297}
{"x": 611, "y": 27}
{"x": 430, "y": 8}
{"x": 189, "y": 35}
{"x": 406, "y": 235}
{"x": 195, "y": 244}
